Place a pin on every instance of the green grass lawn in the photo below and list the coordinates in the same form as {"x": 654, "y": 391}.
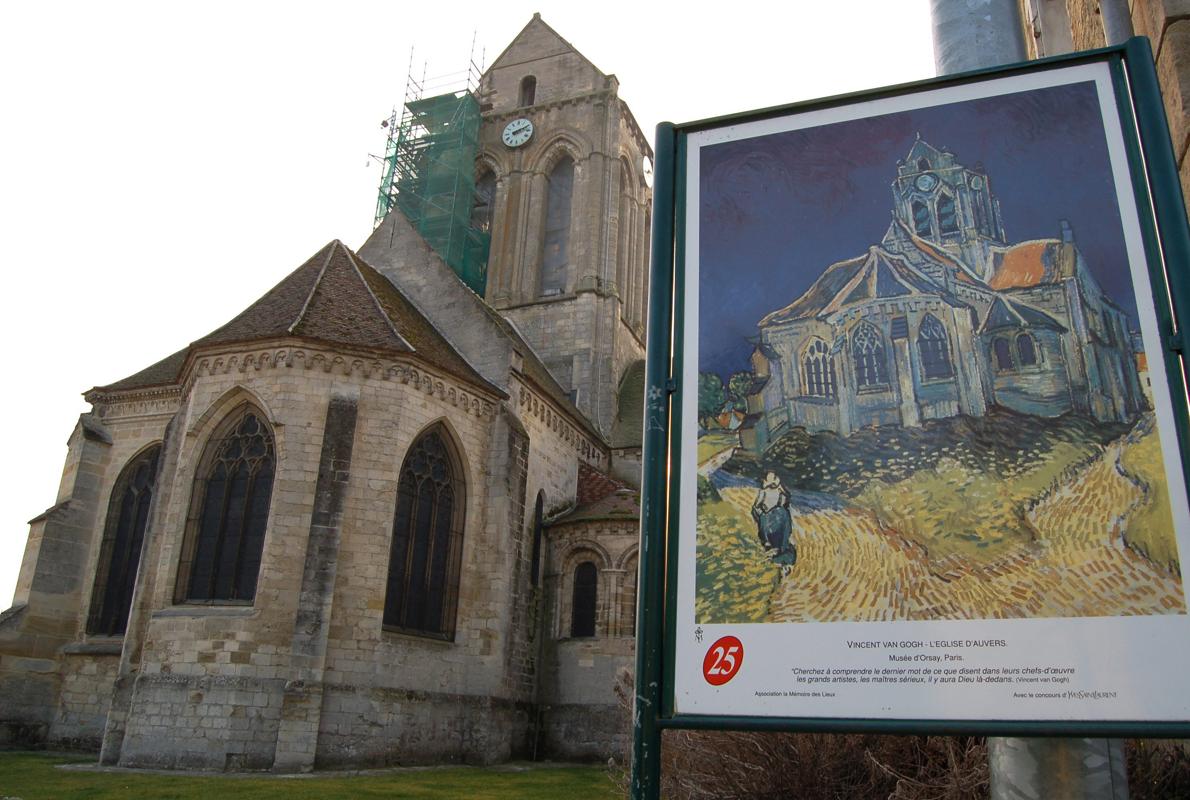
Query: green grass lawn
{"x": 38, "y": 776}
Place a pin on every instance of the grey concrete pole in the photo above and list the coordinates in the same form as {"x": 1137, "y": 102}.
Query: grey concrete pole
{"x": 976, "y": 34}
{"x": 972, "y": 34}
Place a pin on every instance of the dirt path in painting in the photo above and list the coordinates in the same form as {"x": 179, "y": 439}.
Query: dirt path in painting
{"x": 851, "y": 568}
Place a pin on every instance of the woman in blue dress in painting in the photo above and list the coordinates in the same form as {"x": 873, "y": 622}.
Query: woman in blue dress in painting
{"x": 774, "y": 524}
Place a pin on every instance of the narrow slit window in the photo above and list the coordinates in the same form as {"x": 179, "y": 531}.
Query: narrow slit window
{"x": 582, "y": 614}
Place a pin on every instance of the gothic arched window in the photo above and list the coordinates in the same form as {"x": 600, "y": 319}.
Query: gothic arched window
{"x": 1003, "y": 353}
{"x": 818, "y": 370}
{"x": 921, "y": 218}
{"x": 229, "y": 511}
{"x": 427, "y": 545}
{"x": 119, "y": 552}
{"x": 867, "y": 350}
{"x": 528, "y": 91}
{"x": 934, "y": 348}
{"x": 555, "y": 257}
{"x": 948, "y": 219}
{"x": 583, "y": 601}
{"x": 923, "y": 164}
{"x": 485, "y": 195}
{"x": 1026, "y": 349}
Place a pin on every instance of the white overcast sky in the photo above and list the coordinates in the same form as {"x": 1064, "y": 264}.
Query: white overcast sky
{"x": 162, "y": 164}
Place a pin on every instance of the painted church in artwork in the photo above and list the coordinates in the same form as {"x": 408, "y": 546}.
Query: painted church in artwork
{"x": 388, "y": 513}
{"x": 943, "y": 317}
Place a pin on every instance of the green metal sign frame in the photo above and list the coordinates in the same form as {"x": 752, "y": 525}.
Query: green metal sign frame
{"x": 1166, "y": 238}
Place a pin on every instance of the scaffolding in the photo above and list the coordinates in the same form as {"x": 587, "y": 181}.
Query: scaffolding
{"x": 428, "y": 171}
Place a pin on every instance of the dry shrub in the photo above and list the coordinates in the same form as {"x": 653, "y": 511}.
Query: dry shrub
{"x": 737, "y": 765}
{"x": 698, "y": 765}
{"x": 728, "y": 764}
{"x": 1157, "y": 769}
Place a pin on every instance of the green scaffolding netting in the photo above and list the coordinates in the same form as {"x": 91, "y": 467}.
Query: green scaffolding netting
{"x": 429, "y": 175}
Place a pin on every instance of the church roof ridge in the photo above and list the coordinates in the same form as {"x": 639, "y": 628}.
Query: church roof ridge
{"x": 536, "y": 19}
{"x": 334, "y": 298}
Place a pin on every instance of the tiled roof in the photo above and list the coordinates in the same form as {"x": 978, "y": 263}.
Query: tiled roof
{"x": 628, "y": 426}
{"x": 601, "y": 497}
{"x": 1029, "y": 264}
{"x": 1005, "y": 313}
{"x": 334, "y": 298}
{"x": 874, "y": 275}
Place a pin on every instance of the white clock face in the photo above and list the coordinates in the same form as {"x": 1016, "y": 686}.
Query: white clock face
{"x": 517, "y": 132}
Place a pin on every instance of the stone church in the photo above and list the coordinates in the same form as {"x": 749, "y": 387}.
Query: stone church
{"x": 379, "y": 517}
{"x": 944, "y": 317}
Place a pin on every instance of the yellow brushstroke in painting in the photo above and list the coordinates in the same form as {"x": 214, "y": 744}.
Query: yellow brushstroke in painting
{"x": 851, "y": 568}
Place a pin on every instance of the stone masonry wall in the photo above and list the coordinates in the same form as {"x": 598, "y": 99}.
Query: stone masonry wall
{"x": 216, "y": 682}
{"x": 581, "y": 718}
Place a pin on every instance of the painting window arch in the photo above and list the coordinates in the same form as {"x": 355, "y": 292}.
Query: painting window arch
{"x": 555, "y": 254}
{"x": 119, "y": 551}
{"x": 867, "y": 351}
{"x": 1026, "y": 350}
{"x": 528, "y": 93}
{"x": 921, "y": 218}
{"x": 229, "y": 511}
{"x": 584, "y": 600}
{"x": 427, "y": 544}
{"x": 818, "y": 370}
{"x": 934, "y": 349}
{"x": 948, "y": 219}
{"x": 1002, "y": 353}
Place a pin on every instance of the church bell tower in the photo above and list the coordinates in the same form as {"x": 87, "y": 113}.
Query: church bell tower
{"x": 562, "y": 184}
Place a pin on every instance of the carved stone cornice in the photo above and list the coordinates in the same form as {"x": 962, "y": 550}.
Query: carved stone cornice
{"x": 157, "y": 401}
{"x": 305, "y": 357}
{"x": 536, "y": 404}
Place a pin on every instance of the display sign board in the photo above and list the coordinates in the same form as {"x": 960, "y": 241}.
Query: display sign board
{"x": 926, "y": 468}
{"x": 916, "y": 420}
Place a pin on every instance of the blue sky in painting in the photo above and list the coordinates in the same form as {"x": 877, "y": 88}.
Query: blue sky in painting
{"x": 776, "y": 210}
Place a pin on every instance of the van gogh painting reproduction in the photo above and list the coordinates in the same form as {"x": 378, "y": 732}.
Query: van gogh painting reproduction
{"x": 939, "y": 413}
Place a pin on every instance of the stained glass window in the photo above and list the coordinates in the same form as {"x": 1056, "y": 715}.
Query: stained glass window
{"x": 427, "y": 544}
{"x": 582, "y": 609}
{"x": 119, "y": 552}
{"x": 555, "y": 257}
{"x": 867, "y": 350}
{"x": 934, "y": 348}
{"x": 819, "y": 370}
{"x": 235, "y": 484}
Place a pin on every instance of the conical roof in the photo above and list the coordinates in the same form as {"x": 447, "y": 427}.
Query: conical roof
{"x": 334, "y": 298}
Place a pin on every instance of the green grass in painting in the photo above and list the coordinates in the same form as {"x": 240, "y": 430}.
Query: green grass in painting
{"x": 711, "y": 444}
{"x": 735, "y": 578}
{"x": 36, "y": 776}
{"x": 953, "y": 509}
{"x": 956, "y": 486}
{"x": 1150, "y": 527}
